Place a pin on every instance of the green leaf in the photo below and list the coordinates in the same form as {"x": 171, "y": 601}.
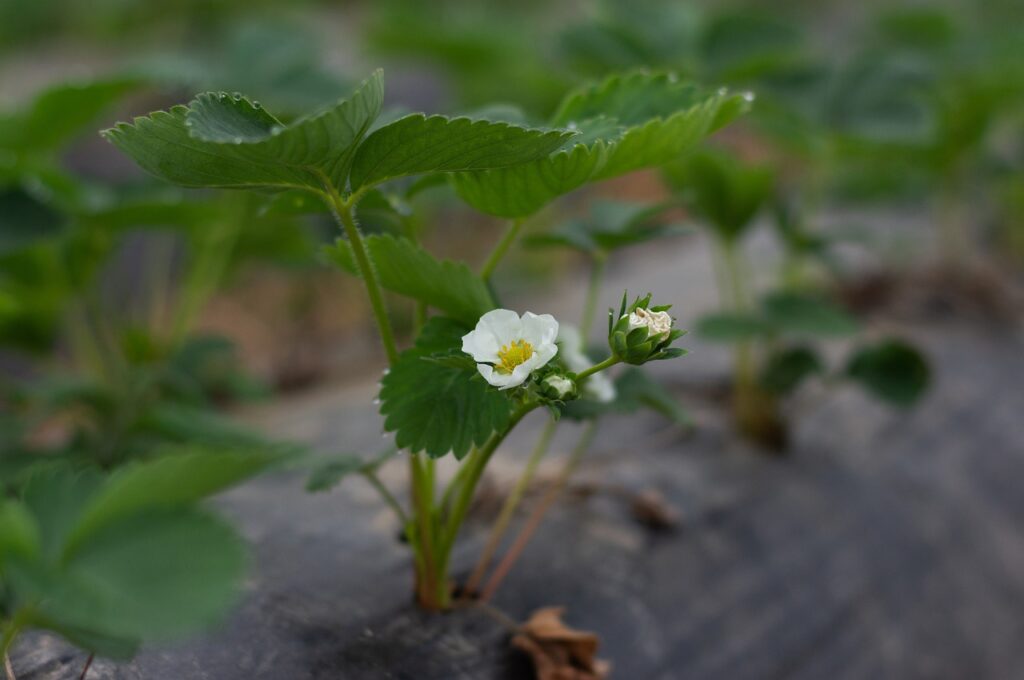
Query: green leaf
{"x": 663, "y": 140}
{"x": 221, "y": 140}
{"x": 55, "y": 495}
{"x": 407, "y": 269}
{"x": 25, "y": 221}
{"x": 59, "y": 114}
{"x": 800, "y": 314}
{"x": 631, "y": 98}
{"x": 150, "y": 576}
{"x": 892, "y": 370}
{"x": 786, "y": 369}
{"x": 169, "y": 481}
{"x": 522, "y": 190}
{"x": 611, "y": 225}
{"x": 721, "y": 190}
{"x": 729, "y": 327}
{"x": 437, "y": 408}
{"x": 634, "y": 389}
{"x": 419, "y": 144}
{"x": 329, "y": 473}
{"x": 19, "y": 534}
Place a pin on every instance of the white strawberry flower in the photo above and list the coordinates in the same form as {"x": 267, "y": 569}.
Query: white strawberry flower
{"x": 507, "y": 347}
{"x": 597, "y": 387}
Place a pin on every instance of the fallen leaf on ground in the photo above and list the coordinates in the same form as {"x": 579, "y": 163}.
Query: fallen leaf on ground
{"x": 559, "y": 652}
{"x": 652, "y": 510}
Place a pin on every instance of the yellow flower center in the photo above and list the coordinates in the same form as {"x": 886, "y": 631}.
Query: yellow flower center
{"x": 512, "y": 355}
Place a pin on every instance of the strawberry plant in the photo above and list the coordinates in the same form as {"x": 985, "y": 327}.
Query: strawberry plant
{"x": 474, "y": 370}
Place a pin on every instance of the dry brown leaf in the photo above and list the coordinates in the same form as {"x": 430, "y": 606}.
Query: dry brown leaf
{"x": 651, "y": 509}
{"x": 559, "y": 652}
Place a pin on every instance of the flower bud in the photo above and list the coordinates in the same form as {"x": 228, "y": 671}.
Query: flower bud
{"x": 558, "y": 387}
{"x": 642, "y": 333}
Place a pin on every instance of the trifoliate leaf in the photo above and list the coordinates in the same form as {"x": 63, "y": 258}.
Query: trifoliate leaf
{"x": 419, "y": 144}
{"x": 150, "y": 576}
{"x": 407, "y": 269}
{"x": 435, "y": 407}
{"x": 800, "y": 314}
{"x": 223, "y": 140}
{"x": 786, "y": 369}
{"x": 609, "y": 226}
{"x": 892, "y": 370}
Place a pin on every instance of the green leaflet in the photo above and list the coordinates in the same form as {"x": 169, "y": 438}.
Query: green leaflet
{"x": 418, "y": 144}
{"x": 721, "y": 190}
{"x": 439, "y": 407}
{"x": 891, "y": 370}
{"x": 111, "y": 562}
{"x": 407, "y": 269}
{"x": 226, "y": 141}
{"x": 627, "y": 122}
{"x": 522, "y": 190}
{"x": 166, "y": 482}
{"x": 797, "y": 314}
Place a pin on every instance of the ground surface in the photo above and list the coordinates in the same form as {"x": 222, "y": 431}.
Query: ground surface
{"x": 885, "y": 546}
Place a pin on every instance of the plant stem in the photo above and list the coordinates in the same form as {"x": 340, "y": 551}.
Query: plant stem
{"x": 511, "y": 504}
{"x": 343, "y": 214}
{"x": 430, "y": 593}
{"x": 509, "y": 237}
{"x": 464, "y": 494}
{"x": 526, "y": 533}
{"x": 388, "y": 497}
{"x": 593, "y": 291}
{"x": 10, "y": 632}
{"x": 596, "y": 368}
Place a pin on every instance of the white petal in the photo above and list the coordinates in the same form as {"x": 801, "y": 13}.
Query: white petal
{"x": 504, "y": 324}
{"x": 571, "y": 348}
{"x": 481, "y": 345}
{"x": 599, "y": 388}
{"x": 539, "y": 329}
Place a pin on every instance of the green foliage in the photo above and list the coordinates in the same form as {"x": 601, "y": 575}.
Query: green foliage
{"x": 226, "y": 141}
{"x": 609, "y": 226}
{"x": 438, "y": 407}
{"x": 407, "y": 269}
{"x": 891, "y": 370}
{"x": 804, "y": 314}
{"x": 634, "y": 390}
{"x": 721, "y": 190}
{"x": 785, "y": 370}
{"x": 780, "y": 314}
{"x": 418, "y": 144}
{"x": 58, "y": 115}
{"x": 111, "y": 562}
{"x": 221, "y": 140}
{"x": 332, "y": 471}
{"x": 628, "y": 122}
{"x": 732, "y": 327}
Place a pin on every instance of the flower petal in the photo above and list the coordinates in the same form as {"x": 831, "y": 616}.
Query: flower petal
{"x": 539, "y": 329}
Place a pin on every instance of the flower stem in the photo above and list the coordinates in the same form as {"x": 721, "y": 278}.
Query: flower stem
{"x": 509, "y": 237}
{"x": 388, "y": 497}
{"x": 526, "y": 533}
{"x": 343, "y": 214}
{"x": 464, "y": 494}
{"x": 597, "y": 368}
{"x": 509, "y": 508}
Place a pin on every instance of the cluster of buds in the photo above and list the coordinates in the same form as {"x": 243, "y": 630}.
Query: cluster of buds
{"x": 642, "y": 333}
